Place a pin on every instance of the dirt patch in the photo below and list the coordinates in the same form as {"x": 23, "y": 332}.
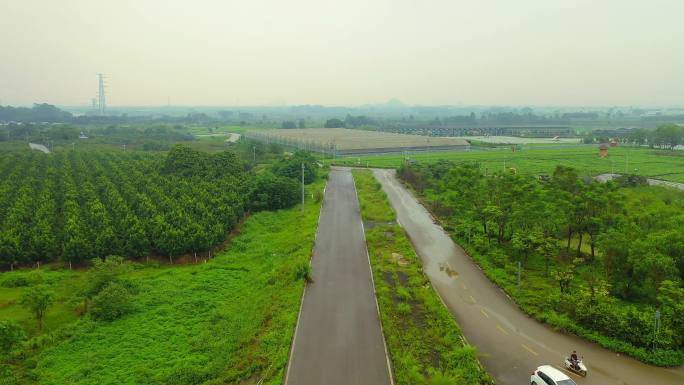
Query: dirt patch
{"x": 403, "y": 278}
{"x": 417, "y": 314}
{"x": 388, "y": 278}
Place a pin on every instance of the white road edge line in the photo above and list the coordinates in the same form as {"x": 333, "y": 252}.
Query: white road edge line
{"x": 301, "y": 300}
{"x": 375, "y": 295}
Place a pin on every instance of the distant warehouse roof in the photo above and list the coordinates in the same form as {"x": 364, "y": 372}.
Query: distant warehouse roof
{"x": 349, "y": 141}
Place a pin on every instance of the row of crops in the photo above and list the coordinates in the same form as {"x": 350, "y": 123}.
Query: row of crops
{"x": 73, "y": 206}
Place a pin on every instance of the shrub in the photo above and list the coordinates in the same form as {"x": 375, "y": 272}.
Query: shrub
{"x": 303, "y": 271}
{"x": 111, "y": 303}
{"x": 104, "y": 272}
{"x": 10, "y": 334}
{"x": 272, "y": 192}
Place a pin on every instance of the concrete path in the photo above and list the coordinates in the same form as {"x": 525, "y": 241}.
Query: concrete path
{"x": 339, "y": 340}
{"x": 511, "y": 343}
{"x": 653, "y": 182}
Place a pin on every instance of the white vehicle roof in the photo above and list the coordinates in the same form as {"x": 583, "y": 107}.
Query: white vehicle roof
{"x": 554, "y": 373}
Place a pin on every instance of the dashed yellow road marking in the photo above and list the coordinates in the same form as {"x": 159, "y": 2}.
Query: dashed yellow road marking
{"x": 484, "y": 312}
{"x": 473, "y": 299}
{"x": 502, "y": 330}
{"x": 529, "y": 350}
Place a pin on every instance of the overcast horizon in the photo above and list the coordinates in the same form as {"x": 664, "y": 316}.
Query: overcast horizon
{"x": 270, "y": 53}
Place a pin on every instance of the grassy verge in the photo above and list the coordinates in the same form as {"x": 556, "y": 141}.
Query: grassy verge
{"x": 424, "y": 341}
{"x": 373, "y": 201}
{"x": 226, "y": 321}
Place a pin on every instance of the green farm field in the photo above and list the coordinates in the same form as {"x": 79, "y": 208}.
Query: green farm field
{"x": 658, "y": 164}
{"x": 225, "y": 321}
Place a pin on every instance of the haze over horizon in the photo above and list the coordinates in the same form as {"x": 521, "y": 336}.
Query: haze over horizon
{"x": 498, "y": 52}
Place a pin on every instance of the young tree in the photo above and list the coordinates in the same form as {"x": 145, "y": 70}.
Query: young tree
{"x": 37, "y": 299}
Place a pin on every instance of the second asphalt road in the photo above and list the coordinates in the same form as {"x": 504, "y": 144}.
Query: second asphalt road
{"x": 510, "y": 343}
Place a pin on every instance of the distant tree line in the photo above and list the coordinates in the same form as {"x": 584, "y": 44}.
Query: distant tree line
{"x": 351, "y": 121}
{"x": 38, "y": 113}
{"x": 665, "y": 136}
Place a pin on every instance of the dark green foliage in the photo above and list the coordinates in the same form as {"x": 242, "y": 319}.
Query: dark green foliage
{"x": 597, "y": 259}
{"x": 291, "y": 167}
{"x": 631, "y": 180}
{"x": 666, "y": 136}
{"x": 111, "y": 302}
{"x": 38, "y": 113}
{"x": 10, "y": 335}
{"x": 334, "y": 123}
{"x": 74, "y": 206}
{"x": 288, "y": 124}
{"x": 273, "y": 192}
{"x": 185, "y": 162}
{"x": 351, "y": 121}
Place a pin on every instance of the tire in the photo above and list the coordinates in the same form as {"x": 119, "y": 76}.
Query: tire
{"x": 583, "y": 373}
{"x": 534, "y": 383}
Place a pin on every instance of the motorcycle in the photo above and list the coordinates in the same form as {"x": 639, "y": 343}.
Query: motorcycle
{"x": 579, "y": 368}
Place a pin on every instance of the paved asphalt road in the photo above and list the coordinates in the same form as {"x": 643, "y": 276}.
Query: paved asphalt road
{"x": 339, "y": 340}
{"x": 511, "y": 344}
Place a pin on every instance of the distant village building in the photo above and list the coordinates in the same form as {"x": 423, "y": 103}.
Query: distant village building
{"x": 603, "y": 150}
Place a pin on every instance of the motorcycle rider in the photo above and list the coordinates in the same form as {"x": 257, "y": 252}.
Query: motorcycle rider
{"x": 574, "y": 361}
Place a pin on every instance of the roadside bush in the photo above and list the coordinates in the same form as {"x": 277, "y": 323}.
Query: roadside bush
{"x": 292, "y": 167}
{"x": 272, "y": 192}
{"x": 303, "y": 271}
{"x": 111, "y": 303}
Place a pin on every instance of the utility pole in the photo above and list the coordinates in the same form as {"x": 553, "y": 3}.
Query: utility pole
{"x": 302, "y": 186}
{"x": 124, "y": 147}
{"x": 656, "y": 326}
{"x": 626, "y": 161}
{"x": 254, "y": 153}
{"x": 519, "y": 268}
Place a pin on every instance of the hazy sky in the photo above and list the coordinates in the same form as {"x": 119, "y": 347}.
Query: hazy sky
{"x": 223, "y": 52}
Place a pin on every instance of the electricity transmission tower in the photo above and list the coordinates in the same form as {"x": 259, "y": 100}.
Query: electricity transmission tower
{"x": 101, "y": 100}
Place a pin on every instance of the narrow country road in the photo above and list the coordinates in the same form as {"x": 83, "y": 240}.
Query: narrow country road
{"x": 510, "y": 343}
{"x": 338, "y": 340}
